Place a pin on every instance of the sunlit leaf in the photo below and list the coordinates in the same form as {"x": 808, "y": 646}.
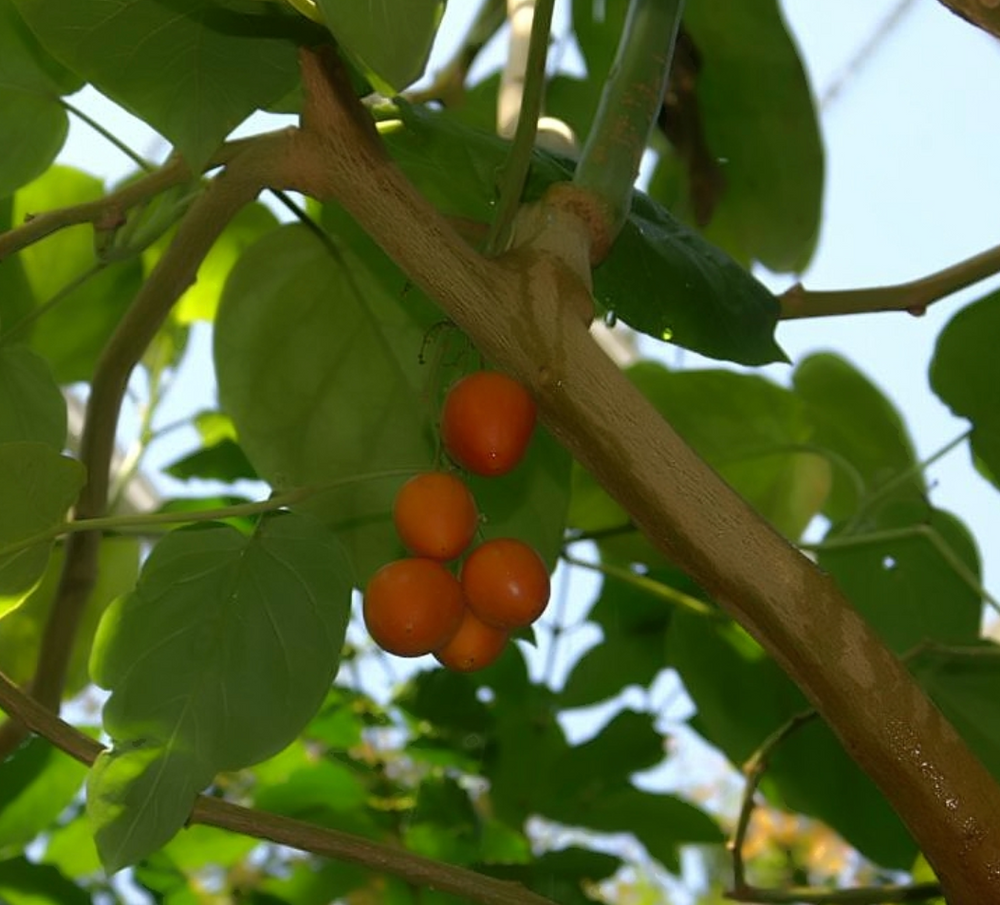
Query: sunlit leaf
{"x": 33, "y": 123}
{"x": 71, "y": 334}
{"x": 191, "y": 69}
{"x": 390, "y": 40}
{"x": 32, "y": 406}
{"x": 37, "y": 486}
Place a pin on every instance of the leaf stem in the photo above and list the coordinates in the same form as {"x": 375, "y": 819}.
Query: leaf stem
{"x": 210, "y": 811}
{"x": 648, "y": 585}
{"x": 21, "y": 325}
{"x": 519, "y": 159}
{"x": 629, "y": 105}
{"x": 132, "y": 155}
{"x": 915, "y": 296}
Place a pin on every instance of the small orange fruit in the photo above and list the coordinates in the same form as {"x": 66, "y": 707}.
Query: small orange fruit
{"x": 413, "y": 606}
{"x": 486, "y": 422}
{"x": 474, "y": 646}
{"x": 435, "y": 515}
{"x": 506, "y": 583}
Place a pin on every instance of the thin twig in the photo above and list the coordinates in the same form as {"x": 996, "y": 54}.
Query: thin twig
{"x": 297, "y": 834}
{"x": 913, "y": 297}
{"x": 754, "y": 770}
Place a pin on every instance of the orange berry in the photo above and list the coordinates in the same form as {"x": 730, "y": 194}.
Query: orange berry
{"x": 413, "y": 606}
{"x": 435, "y": 515}
{"x": 486, "y": 422}
{"x": 506, "y": 583}
{"x": 475, "y": 645}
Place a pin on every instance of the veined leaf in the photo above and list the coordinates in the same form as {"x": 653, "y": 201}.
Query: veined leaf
{"x": 220, "y": 656}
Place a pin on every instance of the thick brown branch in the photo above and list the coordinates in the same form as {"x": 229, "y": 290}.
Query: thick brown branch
{"x": 522, "y": 312}
{"x": 984, "y": 13}
{"x": 326, "y": 843}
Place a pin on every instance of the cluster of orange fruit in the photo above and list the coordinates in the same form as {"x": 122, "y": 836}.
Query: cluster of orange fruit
{"x": 418, "y": 605}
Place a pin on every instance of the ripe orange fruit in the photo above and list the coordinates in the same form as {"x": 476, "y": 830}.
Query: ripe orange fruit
{"x": 474, "y": 646}
{"x": 413, "y": 606}
{"x": 506, "y": 583}
{"x": 435, "y": 515}
{"x": 486, "y": 422}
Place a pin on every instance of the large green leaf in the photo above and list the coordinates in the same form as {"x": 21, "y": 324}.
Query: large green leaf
{"x": 217, "y": 660}
{"x": 31, "y": 405}
{"x": 33, "y": 124}
{"x": 390, "y": 40}
{"x": 742, "y": 697}
{"x": 962, "y": 373}
{"x": 665, "y": 280}
{"x": 192, "y": 69}
{"x": 910, "y": 577}
{"x": 319, "y": 364}
{"x": 37, "y": 486}
{"x": 861, "y": 432}
{"x": 22, "y": 629}
{"x": 756, "y": 108}
{"x": 71, "y": 335}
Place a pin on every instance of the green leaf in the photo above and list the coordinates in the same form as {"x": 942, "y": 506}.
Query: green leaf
{"x": 319, "y": 364}
{"x": 862, "y": 433}
{"x": 254, "y": 671}
{"x": 36, "y": 783}
{"x": 139, "y": 796}
{"x": 33, "y": 124}
{"x": 756, "y": 108}
{"x": 222, "y": 461}
{"x": 965, "y": 683}
{"x": 961, "y": 374}
{"x": 389, "y": 40}
{"x": 903, "y": 580}
{"x": 192, "y": 69}
{"x": 664, "y": 280}
{"x": 32, "y": 406}
{"x": 742, "y": 697}
{"x": 756, "y": 434}
{"x": 37, "y": 486}
{"x": 22, "y": 629}
{"x": 71, "y": 335}
{"x": 25, "y": 883}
